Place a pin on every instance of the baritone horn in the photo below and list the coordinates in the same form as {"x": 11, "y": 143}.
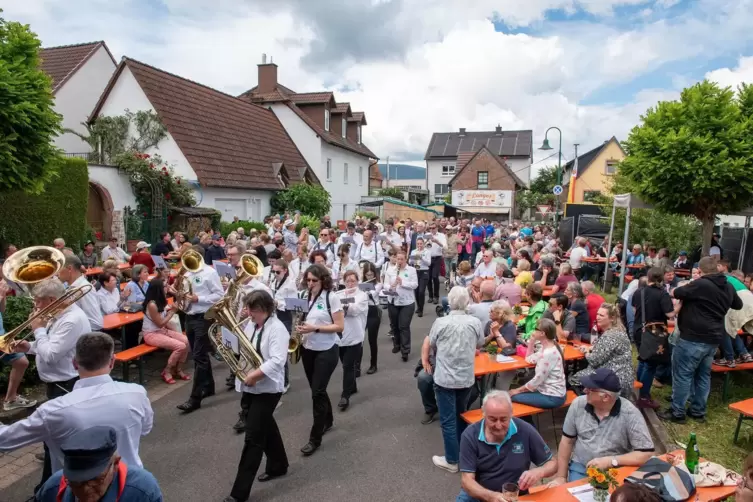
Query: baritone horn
{"x": 190, "y": 261}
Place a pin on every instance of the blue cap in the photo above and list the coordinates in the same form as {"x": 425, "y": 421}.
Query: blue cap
{"x": 683, "y": 253}
{"x": 88, "y": 453}
{"x": 603, "y": 379}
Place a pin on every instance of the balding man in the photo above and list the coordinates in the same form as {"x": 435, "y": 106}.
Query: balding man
{"x": 370, "y": 250}
{"x": 59, "y": 244}
{"x": 89, "y": 303}
{"x": 481, "y": 309}
{"x": 487, "y": 269}
{"x": 500, "y": 449}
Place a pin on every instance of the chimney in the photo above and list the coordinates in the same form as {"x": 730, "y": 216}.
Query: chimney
{"x": 498, "y": 130}
{"x": 462, "y": 131}
{"x": 267, "y": 76}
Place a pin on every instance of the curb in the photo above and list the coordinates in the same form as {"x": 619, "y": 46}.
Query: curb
{"x": 662, "y": 441}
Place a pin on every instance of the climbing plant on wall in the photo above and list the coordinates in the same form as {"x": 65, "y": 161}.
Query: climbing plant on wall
{"x": 145, "y": 171}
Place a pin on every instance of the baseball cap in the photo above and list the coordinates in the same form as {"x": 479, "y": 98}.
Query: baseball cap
{"x": 683, "y": 253}
{"x": 216, "y": 237}
{"x": 88, "y": 242}
{"x": 88, "y": 453}
{"x": 288, "y": 222}
{"x": 142, "y": 245}
{"x": 603, "y": 379}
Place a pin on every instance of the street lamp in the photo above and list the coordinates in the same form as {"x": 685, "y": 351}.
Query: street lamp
{"x": 546, "y": 146}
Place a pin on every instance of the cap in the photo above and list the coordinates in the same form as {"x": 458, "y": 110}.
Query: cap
{"x": 288, "y": 222}
{"x": 142, "y": 245}
{"x": 88, "y": 453}
{"x": 216, "y": 237}
{"x": 89, "y": 242}
{"x": 683, "y": 253}
{"x": 602, "y": 378}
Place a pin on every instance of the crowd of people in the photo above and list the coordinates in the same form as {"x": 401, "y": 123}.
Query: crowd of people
{"x": 513, "y": 286}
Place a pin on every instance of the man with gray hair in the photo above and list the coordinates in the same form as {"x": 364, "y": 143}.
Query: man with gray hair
{"x": 71, "y": 274}
{"x": 59, "y": 244}
{"x": 94, "y": 400}
{"x": 500, "y": 449}
{"x": 480, "y": 310}
{"x": 546, "y": 274}
{"x": 601, "y": 430}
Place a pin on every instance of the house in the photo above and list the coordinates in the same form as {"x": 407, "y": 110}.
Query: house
{"x": 484, "y": 184}
{"x": 375, "y": 178}
{"x": 514, "y": 147}
{"x": 327, "y": 133}
{"x": 79, "y": 74}
{"x": 595, "y": 169}
{"x": 235, "y": 153}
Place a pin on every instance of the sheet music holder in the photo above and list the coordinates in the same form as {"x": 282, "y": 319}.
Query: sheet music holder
{"x": 366, "y": 286}
{"x": 230, "y": 341}
{"x": 389, "y": 292}
{"x": 224, "y": 270}
{"x": 347, "y": 300}
{"x": 159, "y": 262}
{"x": 296, "y": 305}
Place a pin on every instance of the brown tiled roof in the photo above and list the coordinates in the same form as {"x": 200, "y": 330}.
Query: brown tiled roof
{"x": 499, "y": 160}
{"x": 358, "y": 117}
{"x": 60, "y": 63}
{"x": 342, "y": 108}
{"x": 269, "y": 97}
{"x": 307, "y": 98}
{"x": 281, "y": 88}
{"x": 229, "y": 142}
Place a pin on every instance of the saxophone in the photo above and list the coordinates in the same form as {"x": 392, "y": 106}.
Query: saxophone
{"x": 296, "y": 338}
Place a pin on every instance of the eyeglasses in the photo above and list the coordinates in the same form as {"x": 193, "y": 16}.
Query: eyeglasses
{"x": 278, "y": 272}
{"x": 310, "y": 280}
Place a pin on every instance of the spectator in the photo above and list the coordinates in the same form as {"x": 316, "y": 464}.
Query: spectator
{"x": 163, "y": 247}
{"x": 593, "y": 300}
{"x": 109, "y": 295}
{"x": 114, "y": 252}
{"x": 601, "y": 430}
{"x": 560, "y": 315}
{"x": 59, "y": 244}
{"x": 18, "y": 364}
{"x": 636, "y": 257}
{"x": 611, "y": 351}
{"x": 705, "y": 302}
{"x": 533, "y": 293}
{"x": 524, "y": 277}
{"x": 546, "y": 274}
{"x": 508, "y": 291}
{"x": 579, "y": 310}
{"x": 632, "y": 492}
{"x": 481, "y": 309}
{"x": 662, "y": 259}
{"x": 215, "y": 251}
{"x": 651, "y": 260}
{"x": 682, "y": 261}
{"x": 577, "y": 254}
{"x": 732, "y": 343}
{"x": 142, "y": 256}
{"x": 744, "y": 491}
{"x": 564, "y": 278}
{"x": 500, "y": 449}
{"x": 454, "y": 339}
{"x": 157, "y": 332}
{"x": 501, "y": 329}
{"x": 464, "y": 274}
{"x": 88, "y": 257}
{"x": 486, "y": 269}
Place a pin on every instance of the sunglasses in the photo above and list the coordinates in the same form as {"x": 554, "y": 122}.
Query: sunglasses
{"x": 278, "y": 272}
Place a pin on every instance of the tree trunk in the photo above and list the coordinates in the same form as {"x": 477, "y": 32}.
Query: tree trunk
{"x": 707, "y": 233}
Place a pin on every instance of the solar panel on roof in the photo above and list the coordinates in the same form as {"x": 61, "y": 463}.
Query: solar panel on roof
{"x": 453, "y": 145}
{"x": 466, "y": 144}
{"x": 494, "y": 144}
{"x": 508, "y": 145}
{"x": 437, "y": 149}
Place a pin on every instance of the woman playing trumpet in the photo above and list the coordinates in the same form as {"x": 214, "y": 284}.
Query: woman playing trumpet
{"x": 355, "y": 307}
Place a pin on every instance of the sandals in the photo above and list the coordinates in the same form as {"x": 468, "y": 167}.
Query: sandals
{"x": 167, "y": 378}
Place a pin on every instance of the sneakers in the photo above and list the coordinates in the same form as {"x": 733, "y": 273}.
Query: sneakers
{"x": 286, "y": 389}
{"x": 442, "y": 463}
{"x": 647, "y": 402}
{"x": 745, "y": 358}
{"x": 429, "y": 418}
{"x": 725, "y": 362}
{"x": 668, "y": 416}
{"x": 18, "y": 403}
{"x": 656, "y": 383}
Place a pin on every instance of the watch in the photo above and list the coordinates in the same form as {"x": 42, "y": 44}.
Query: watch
{"x": 317, "y": 331}
{"x": 557, "y": 322}
{"x": 615, "y": 463}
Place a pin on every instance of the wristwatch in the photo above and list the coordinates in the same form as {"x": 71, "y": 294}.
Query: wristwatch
{"x": 615, "y": 463}
{"x": 557, "y": 322}
{"x": 317, "y": 331}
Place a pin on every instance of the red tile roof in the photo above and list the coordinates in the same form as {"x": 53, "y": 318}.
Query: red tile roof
{"x": 281, "y": 88}
{"x": 60, "y": 63}
{"x": 229, "y": 142}
{"x": 307, "y": 98}
{"x": 358, "y": 117}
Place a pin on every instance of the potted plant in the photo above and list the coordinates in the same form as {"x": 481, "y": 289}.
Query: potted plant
{"x": 517, "y": 310}
{"x": 492, "y": 350}
{"x": 602, "y": 482}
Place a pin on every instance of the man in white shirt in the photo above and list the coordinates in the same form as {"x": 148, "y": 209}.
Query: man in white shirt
{"x": 89, "y": 303}
{"x": 399, "y": 285}
{"x": 370, "y": 250}
{"x": 324, "y": 244}
{"x": 206, "y": 291}
{"x": 54, "y": 346}
{"x": 435, "y": 243}
{"x": 95, "y": 400}
{"x": 350, "y": 236}
{"x": 577, "y": 254}
{"x": 113, "y": 252}
{"x": 390, "y": 238}
{"x": 487, "y": 268}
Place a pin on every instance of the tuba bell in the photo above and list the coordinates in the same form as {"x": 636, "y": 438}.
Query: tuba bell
{"x": 250, "y": 267}
{"x": 190, "y": 261}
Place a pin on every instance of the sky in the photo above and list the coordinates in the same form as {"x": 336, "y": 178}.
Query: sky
{"x": 589, "y": 67}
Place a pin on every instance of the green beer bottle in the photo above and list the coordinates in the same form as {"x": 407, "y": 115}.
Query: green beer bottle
{"x": 692, "y": 455}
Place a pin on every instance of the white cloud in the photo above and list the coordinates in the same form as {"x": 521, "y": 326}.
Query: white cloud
{"x": 729, "y": 77}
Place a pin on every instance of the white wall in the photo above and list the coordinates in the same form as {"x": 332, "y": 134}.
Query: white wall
{"x": 521, "y": 168}
{"x": 116, "y": 184}
{"x": 419, "y": 182}
{"x": 245, "y": 204}
{"x": 303, "y": 136}
{"x": 434, "y": 174}
{"x": 76, "y": 99}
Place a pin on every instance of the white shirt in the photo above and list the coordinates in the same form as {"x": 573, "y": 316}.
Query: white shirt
{"x": 484, "y": 270}
{"x": 89, "y": 303}
{"x": 207, "y": 286}
{"x": 357, "y": 238}
{"x": 116, "y": 253}
{"x": 371, "y": 252}
{"x": 436, "y": 249}
{"x": 267, "y": 276}
{"x": 338, "y": 270}
{"x": 55, "y": 345}
{"x": 93, "y": 402}
{"x": 405, "y": 293}
{"x": 393, "y": 238}
{"x": 355, "y": 318}
{"x": 576, "y": 256}
{"x": 282, "y": 289}
{"x": 318, "y": 316}
{"x": 274, "y": 351}
{"x": 297, "y": 267}
{"x": 109, "y": 302}
{"x": 421, "y": 259}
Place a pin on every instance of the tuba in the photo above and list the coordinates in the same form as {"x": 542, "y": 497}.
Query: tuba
{"x": 190, "y": 261}
{"x": 250, "y": 267}
{"x": 31, "y": 266}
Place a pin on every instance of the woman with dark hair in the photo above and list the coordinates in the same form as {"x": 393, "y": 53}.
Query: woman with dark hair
{"x": 320, "y": 328}
{"x": 157, "y": 315}
{"x": 262, "y": 388}
{"x": 631, "y": 492}
{"x": 373, "y": 317}
{"x": 317, "y": 257}
{"x": 547, "y": 388}
{"x": 342, "y": 265}
{"x": 355, "y": 307}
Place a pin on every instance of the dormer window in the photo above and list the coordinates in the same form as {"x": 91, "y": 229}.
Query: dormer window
{"x": 359, "y": 134}
{"x": 326, "y": 119}
{"x": 344, "y": 125}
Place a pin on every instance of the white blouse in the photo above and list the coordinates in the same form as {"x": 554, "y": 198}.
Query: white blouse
{"x": 355, "y": 317}
{"x": 319, "y": 316}
{"x": 338, "y": 271}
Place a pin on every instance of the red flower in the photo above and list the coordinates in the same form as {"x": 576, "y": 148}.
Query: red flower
{"x": 144, "y": 215}
{"x": 167, "y": 196}
{"x": 146, "y": 155}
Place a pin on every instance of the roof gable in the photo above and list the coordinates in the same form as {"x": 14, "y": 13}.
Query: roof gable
{"x": 228, "y": 142}
{"x": 503, "y": 143}
{"x": 585, "y": 160}
{"x": 496, "y": 158}
{"x": 60, "y": 63}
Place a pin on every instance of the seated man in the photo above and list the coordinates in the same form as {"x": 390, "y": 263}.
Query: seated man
{"x": 601, "y": 430}
{"x": 532, "y": 294}
{"x": 561, "y": 316}
{"x": 18, "y": 364}
{"x": 500, "y": 449}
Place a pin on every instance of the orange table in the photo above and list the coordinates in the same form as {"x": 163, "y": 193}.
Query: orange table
{"x": 598, "y": 259}
{"x": 483, "y": 365}
{"x": 682, "y": 272}
{"x": 98, "y": 270}
{"x": 560, "y": 493}
{"x": 547, "y": 291}
{"x": 122, "y": 319}
{"x": 636, "y": 266}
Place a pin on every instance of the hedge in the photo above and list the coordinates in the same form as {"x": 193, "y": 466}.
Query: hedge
{"x": 59, "y": 211}
{"x": 227, "y": 227}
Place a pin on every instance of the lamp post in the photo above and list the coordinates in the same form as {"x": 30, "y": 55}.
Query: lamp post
{"x": 546, "y": 146}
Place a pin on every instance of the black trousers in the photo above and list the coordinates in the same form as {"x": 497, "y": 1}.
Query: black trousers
{"x": 401, "y": 317}
{"x": 373, "y": 320}
{"x": 319, "y": 366}
{"x": 286, "y": 318}
{"x": 197, "y": 331}
{"x": 54, "y": 389}
{"x": 262, "y": 437}
{"x": 434, "y": 268}
{"x": 350, "y": 357}
{"x": 420, "y": 291}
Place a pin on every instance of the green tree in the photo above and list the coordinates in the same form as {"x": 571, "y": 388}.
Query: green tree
{"x": 28, "y": 122}
{"x": 545, "y": 180}
{"x": 694, "y": 156}
{"x": 540, "y": 192}
{"x": 392, "y": 192}
{"x": 312, "y": 200}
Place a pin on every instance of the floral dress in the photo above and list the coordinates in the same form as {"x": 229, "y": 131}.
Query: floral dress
{"x": 612, "y": 350}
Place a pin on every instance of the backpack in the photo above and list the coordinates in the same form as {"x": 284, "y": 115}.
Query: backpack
{"x": 669, "y": 482}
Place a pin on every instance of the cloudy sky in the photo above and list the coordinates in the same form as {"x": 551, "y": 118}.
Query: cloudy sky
{"x": 590, "y": 67}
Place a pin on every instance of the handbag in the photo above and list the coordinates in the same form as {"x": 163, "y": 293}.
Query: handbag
{"x": 669, "y": 482}
{"x": 654, "y": 340}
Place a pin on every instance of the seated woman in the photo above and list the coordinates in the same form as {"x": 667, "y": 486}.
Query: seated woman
{"x": 157, "y": 332}
{"x": 501, "y": 330}
{"x": 564, "y": 277}
{"x": 612, "y": 350}
{"x": 524, "y": 277}
{"x": 547, "y": 388}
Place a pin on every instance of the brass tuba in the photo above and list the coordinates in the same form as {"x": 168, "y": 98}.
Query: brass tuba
{"x": 250, "y": 267}
{"x": 190, "y": 261}
{"x": 30, "y": 266}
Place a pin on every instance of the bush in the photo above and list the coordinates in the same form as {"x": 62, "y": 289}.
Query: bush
{"x": 17, "y": 310}
{"x": 392, "y": 192}
{"x": 58, "y": 212}
{"x": 227, "y": 227}
{"x": 308, "y": 199}
{"x": 311, "y": 223}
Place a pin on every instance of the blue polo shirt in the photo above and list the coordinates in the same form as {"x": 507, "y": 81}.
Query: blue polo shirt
{"x": 496, "y": 464}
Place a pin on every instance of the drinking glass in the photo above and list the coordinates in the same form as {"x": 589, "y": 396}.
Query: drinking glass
{"x": 510, "y": 492}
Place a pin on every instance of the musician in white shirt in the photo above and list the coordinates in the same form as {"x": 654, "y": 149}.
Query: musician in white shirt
{"x": 369, "y": 250}
{"x": 283, "y": 287}
{"x": 350, "y": 237}
{"x": 420, "y": 259}
{"x": 374, "y": 316}
{"x": 391, "y": 239}
{"x": 263, "y": 388}
{"x": 435, "y": 242}
{"x": 355, "y": 307}
{"x": 71, "y": 274}
{"x": 113, "y": 252}
{"x": 267, "y": 275}
{"x": 206, "y": 290}
{"x": 325, "y": 245}
{"x": 401, "y": 283}
{"x": 343, "y": 264}
{"x": 298, "y": 266}
{"x": 94, "y": 400}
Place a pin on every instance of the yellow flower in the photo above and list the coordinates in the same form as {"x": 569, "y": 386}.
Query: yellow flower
{"x": 600, "y": 477}
{"x": 613, "y": 473}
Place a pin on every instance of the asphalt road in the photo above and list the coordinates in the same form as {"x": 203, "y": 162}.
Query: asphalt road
{"x": 377, "y": 451}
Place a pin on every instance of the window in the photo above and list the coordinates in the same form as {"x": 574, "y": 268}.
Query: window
{"x": 326, "y": 119}
{"x": 611, "y": 167}
{"x": 329, "y": 169}
{"x": 345, "y": 177}
{"x": 440, "y": 189}
{"x": 482, "y": 180}
{"x": 590, "y": 195}
{"x": 360, "y": 175}
{"x": 344, "y": 125}
{"x": 359, "y": 134}
{"x": 448, "y": 171}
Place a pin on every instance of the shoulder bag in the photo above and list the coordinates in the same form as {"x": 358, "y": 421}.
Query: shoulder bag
{"x": 654, "y": 340}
